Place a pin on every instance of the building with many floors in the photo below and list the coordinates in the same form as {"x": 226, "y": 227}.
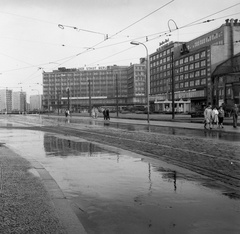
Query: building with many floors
{"x": 35, "y": 102}
{"x": 19, "y": 102}
{"x": 5, "y": 100}
{"x": 136, "y": 83}
{"x": 186, "y": 71}
{"x": 190, "y": 67}
{"x": 81, "y": 88}
{"x": 12, "y": 102}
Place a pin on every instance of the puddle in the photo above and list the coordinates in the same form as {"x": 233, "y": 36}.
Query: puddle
{"x": 118, "y": 192}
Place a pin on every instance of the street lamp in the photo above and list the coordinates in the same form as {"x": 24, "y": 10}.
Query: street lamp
{"x": 148, "y": 74}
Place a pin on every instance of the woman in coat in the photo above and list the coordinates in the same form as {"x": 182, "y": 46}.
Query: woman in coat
{"x": 208, "y": 117}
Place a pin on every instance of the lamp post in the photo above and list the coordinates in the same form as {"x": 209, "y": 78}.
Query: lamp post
{"x": 90, "y": 97}
{"x": 148, "y": 75}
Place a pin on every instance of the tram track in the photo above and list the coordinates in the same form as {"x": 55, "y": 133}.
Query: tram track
{"x": 218, "y": 167}
{"x": 222, "y": 172}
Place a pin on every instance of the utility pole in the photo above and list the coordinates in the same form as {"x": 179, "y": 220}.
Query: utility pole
{"x": 68, "y": 90}
{"x": 90, "y": 98}
{"x": 117, "y": 93}
{"x": 173, "y": 87}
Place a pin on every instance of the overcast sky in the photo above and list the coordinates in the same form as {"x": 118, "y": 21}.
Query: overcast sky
{"x": 32, "y": 41}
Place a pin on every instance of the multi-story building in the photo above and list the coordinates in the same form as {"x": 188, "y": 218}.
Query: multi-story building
{"x": 5, "y": 101}
{"x": 137, "y": 85}
{"x": 19, "y": 101}
{"x": 190, "y": 66}
{"x": 76, "y": 88}
{"x": 99, "y": 86}
{"x": 35, "y": 102}
{"x": 226, "y": 87}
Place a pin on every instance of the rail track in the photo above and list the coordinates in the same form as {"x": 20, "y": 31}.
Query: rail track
{"x": 222, "y": 166}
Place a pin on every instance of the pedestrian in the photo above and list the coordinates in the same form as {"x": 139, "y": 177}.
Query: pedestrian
{"x": 107, "y": 114}
{"x": 104, "y": 114}
{"x": 220, "y": 117}
{"x": 96, "y": 113}
{"x": 93, "y": 113}
{"x": 208, "y": 117}
{"x": 235, "y": 112}
{"x": 214, "y": 116}
{"x": 66, "y": 113}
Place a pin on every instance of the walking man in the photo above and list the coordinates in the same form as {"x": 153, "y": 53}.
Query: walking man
{"x": 208, "y": 117}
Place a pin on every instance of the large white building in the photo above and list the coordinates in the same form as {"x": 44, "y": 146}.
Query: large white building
{"x": 19, "y": 101}
{"x": 12, "y": 101}
{"x": 5, "y": 100}
{"x": 35, "y": 102}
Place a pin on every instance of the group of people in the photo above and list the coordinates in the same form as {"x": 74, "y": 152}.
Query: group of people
{"x": 214, "y": 116}
{"x": 105, "y": 112}
{"x": 106, "y": 115}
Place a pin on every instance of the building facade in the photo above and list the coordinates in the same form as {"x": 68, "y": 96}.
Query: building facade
{"x": 83, "y": 88}
{"x": 137, "y": 85}
{"x": 5, "y": 101}
{"x": 189, "y": 66}
{"x": 226, "y": 83}
{"x": 78, "y": 89}
{"x": 19, "y": 102}
{"x": 35, "y": 103}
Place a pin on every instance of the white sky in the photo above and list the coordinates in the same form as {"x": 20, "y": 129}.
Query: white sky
{"x": 31, "y": 39}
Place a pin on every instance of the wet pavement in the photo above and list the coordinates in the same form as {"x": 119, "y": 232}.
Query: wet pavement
{"x": 115, "y": 191}
{"x": 228, "y": 133}
{"x": 170, "y": 129}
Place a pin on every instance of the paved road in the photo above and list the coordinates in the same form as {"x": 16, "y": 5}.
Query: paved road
{"x": 217, "y": 160}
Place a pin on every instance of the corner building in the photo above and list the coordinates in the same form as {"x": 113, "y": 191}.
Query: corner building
{"x": 190, "y": 68}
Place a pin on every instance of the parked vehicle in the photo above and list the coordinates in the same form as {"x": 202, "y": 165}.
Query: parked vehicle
{"x": 197, "y": 114}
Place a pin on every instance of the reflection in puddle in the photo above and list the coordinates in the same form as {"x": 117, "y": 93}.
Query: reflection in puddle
{"x": 118, "y": 193}
{"x": 114, "y": 192}
{"x": 62, "y": 147}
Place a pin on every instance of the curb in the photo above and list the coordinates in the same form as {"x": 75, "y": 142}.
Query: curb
{"x": 62, "y": 205}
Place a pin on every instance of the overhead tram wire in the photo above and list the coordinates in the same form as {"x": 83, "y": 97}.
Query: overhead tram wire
{"x": 26, "y": 17}
{"x": 142, "y": 18}
{"x": 164, "y": 33}
{"x": 214, "y": 14}
{"x": 94, "y": 46}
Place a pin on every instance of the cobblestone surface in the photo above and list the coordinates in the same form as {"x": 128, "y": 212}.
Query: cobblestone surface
{"x": 24, "y": 203}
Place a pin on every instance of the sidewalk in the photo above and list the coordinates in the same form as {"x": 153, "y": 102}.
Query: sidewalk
{"x": 31, "y": 201}
{"x": 180, "y": 121}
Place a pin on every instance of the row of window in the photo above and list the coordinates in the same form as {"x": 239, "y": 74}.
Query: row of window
{"x": 185, "y": 76}
{"x": 161, "y": 61}
{"x": 191, "y": 58}
{"x": 180, "y": 69}
{"x": 161, "y": 54}
{"x": 180, "y": 85}
{"x": 191, "y": 66}
{"x": 187, "y": 59}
